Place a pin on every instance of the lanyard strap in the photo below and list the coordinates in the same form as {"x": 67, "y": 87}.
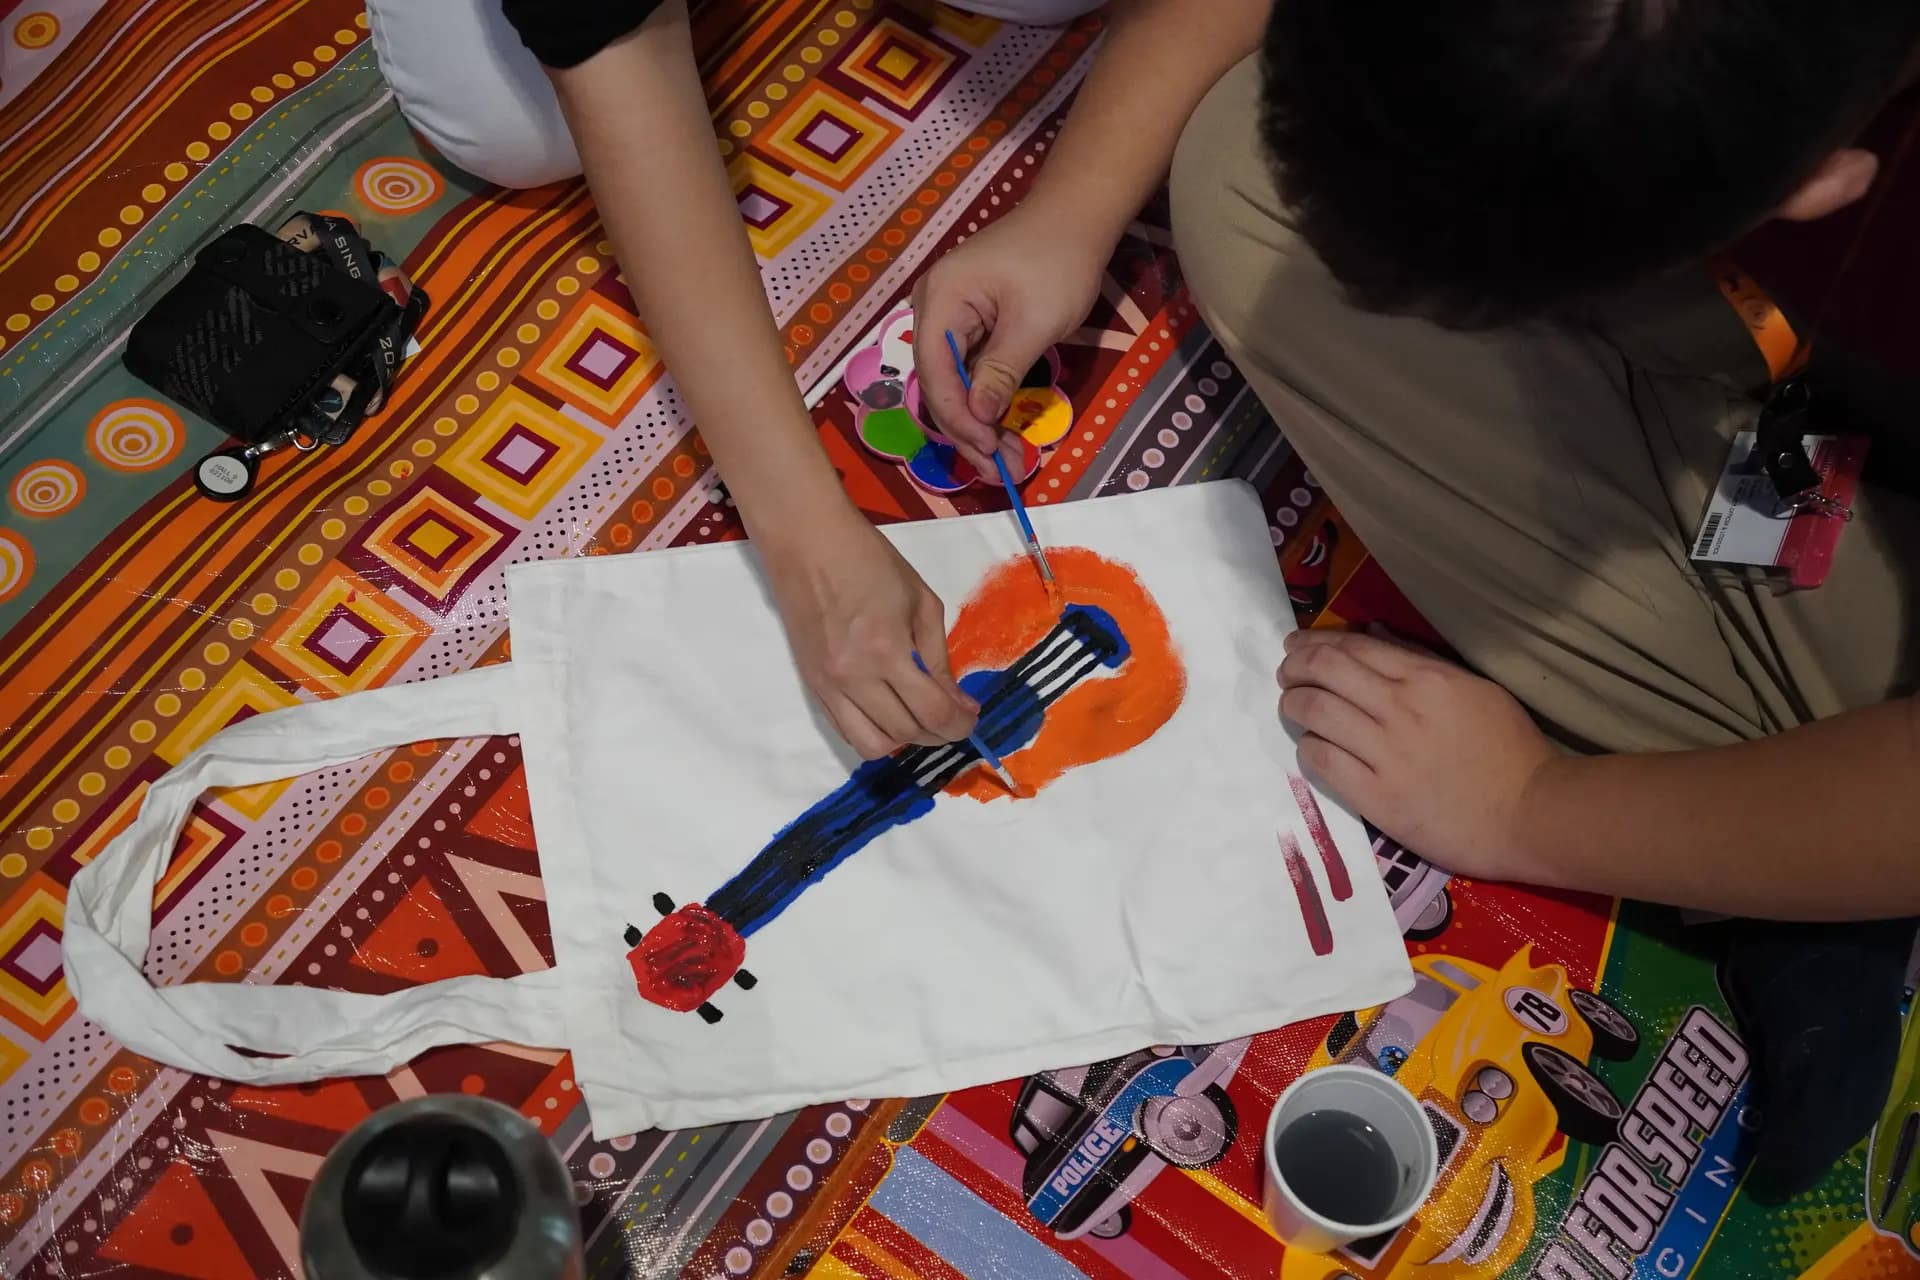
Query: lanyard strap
{"x": 1783, "y": 420}
{"x": 1786, "y": 355}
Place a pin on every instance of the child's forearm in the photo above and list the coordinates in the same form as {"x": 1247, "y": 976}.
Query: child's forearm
{"x": 1820, "y": 822}
{"x": 639, "y": 116}
{"x": 1157, "y": 61}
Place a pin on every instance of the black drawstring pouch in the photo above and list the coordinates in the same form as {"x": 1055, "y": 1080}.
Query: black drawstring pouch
{"x": 278, "y": 339}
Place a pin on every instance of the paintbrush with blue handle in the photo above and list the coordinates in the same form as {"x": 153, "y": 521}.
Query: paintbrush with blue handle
{"x": 1006, "y": 478}
{"x": 976, "y": 741}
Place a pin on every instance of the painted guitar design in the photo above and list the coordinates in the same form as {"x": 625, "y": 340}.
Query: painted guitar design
{"x": 697, "y": 948}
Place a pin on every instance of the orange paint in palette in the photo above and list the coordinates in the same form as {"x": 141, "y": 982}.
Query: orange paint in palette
{"x": 1098, "y": 718}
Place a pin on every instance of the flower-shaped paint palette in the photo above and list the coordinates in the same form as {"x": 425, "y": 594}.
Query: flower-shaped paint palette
{"x": 882, "y": 379}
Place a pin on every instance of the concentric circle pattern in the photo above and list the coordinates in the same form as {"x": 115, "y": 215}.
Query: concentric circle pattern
{"x": 397, "y": 185}
{"x": 47, "y": 488}
{"x": 135, "y": 435}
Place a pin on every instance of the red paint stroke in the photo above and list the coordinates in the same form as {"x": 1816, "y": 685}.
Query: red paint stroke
{"x": 1103, "y": 716}
{"x": 1309, "y": 804}
{"x": 686, "y": 958}
{"x": 1313, "y": 912}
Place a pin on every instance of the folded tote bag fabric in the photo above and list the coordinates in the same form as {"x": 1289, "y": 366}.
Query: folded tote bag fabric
{"x": 746, "y": 919}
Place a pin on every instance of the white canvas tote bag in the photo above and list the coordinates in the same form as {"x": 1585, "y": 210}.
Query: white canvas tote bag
{"x": 746, "y": 919}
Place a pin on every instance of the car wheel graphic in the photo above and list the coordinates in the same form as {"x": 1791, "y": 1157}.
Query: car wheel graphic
{"x": 1587, "y": 1109}
{"x": 1190, "y": 1131}
{"x": 1614, "y": 1038}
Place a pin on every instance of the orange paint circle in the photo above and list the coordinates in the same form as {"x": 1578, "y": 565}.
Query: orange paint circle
{"x": 699, "y": 444}
{"x": 66, "y": 1143}
{"x": 1042, "y": 76}
{"x": 995, "y": 127}
{"x": 1105, "y": 715}
{"x": 473, "y": 1084}
{"x": 279, "y": 906}
{"x": 683, "y": 466}
{"x": 910, "y": 217}
{"x": 304, "y": 878}
{"x": 38, "y": 1175}
{"x": 893, "y": 236}
{"x": 426, "y": 748}
{"x": 1026, "y": 93}
{"x": 877, "y": 256}
{"x": 327, "y": 850}
{"x": 12, "y": 1208}
{"x": 944, "y": 178}
{"x": 642, "y": 511}
{"x": 227, "y": 962}
{"x": 377, "y": 797}
{"x": 621, "y": 535}
{"x": 254, "y": 934}
{"x": 122, "y": 1080}
{"x": 400, "y": 771}
{"x": 95, "y": 1111}
{"x": 353, "y": 824}
{"x": 962, "y": 161}
{"x": 859, "y": 274}
{"x": 840, "y": 293}
{"x": 663, "y": 489}
{"x": 801, "y": 334}
{"x": 927, "y": 197}
{"x": 820, "y": 313}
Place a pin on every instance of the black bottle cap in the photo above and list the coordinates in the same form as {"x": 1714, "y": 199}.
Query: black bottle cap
{"x": 431, "y": 1199}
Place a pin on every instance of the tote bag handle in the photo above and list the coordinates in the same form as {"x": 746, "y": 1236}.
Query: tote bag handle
{"x": 312, "y": 1033}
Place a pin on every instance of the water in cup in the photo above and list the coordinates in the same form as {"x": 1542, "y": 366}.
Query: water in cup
{"x": 1339, "y": 1166}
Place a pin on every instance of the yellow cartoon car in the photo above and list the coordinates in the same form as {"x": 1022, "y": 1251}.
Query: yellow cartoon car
{"x": 1498, "y": 1059}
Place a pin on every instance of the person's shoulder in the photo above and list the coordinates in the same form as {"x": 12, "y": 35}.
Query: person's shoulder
{"x": 565, "y": 33}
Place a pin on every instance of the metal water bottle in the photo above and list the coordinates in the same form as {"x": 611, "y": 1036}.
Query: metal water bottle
{"x": 446, "y": 1187}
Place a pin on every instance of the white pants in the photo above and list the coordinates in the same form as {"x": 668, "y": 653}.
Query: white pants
{"x": 464, "y": 80}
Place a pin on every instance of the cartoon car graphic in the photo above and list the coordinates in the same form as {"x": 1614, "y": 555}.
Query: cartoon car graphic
{"x": 1498, "y": 1059}
{"x": 1422, "y": 907}
{"x": 1095, "y": 1136}
{"x": 1893, "y": 1149}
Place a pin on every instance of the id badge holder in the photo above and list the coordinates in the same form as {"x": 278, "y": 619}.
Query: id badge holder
{"x": 1784, "y": 497}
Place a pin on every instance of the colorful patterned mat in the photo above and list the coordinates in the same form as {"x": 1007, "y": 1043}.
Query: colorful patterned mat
{"x": 863, "y": 137}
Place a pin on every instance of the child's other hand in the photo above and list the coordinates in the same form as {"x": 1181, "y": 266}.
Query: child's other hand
{"x": 1437, "y": 758}
{"x": 1007, "y": 294}
{"x": 856, "y": 613}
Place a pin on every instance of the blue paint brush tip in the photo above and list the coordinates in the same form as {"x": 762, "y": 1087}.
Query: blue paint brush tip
{"x": 978, "y": 743}
{"x": 993, "y": 762}
{"x": 1006, "y": 479}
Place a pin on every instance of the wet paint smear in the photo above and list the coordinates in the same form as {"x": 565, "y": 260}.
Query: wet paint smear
{"x": 697, "y": 948}
{"x": 1309, "y": 804}
{"x": 1313, "y": 912}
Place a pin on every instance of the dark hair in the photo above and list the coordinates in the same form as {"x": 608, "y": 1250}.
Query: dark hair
{"x": 1477, "y": 161}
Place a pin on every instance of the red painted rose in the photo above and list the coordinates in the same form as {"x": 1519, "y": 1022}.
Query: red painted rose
{"x": 685, "y": 958}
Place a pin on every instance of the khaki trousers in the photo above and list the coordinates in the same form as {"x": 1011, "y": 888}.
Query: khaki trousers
{"x": 1535, "y": 491}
